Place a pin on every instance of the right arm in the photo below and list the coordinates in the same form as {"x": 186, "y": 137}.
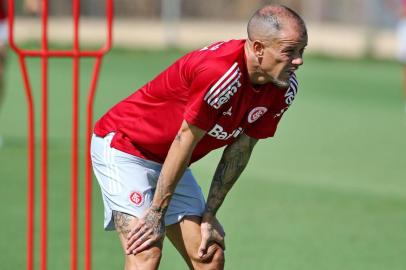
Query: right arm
{"x": 150, "y": 228}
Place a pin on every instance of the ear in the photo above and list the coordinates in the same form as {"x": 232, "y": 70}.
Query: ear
{"x": 258, "y": 48}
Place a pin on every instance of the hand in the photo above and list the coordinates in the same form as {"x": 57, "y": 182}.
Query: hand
{"x": 149, "y": 231}
{"x": 211, "y": 231}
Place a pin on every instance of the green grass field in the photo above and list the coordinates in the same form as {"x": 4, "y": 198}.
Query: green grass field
{"x": 328, "y": 192}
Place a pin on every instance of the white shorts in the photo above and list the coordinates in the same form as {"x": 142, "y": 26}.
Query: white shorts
{"x": 128, "y": 184}
{"x": 3, "y": 32}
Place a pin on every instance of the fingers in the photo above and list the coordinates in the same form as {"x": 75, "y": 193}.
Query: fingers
{"x": 135, "y": 234}
{"x": 207, "y": 248}
{"x": 146, "y": 245}
{"x": 212, "y": 232}
{"x": 217, "y": 238}
{"x": 149, "y": 230}
{"x": 203, "y": 247}
{"x": 134, "y": 230}
{"x": 145, "y": 241}
{"x": 208, "y": 240}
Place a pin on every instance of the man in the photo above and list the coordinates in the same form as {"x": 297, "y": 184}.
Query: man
{"x": 230, "y": 93}
{"x": 30, "y": 6}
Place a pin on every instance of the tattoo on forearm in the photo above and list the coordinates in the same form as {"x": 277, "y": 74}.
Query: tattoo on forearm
{"x": 230, "y": 167}
{"x": 162, "y": 193}
{"x": 122, "y": 222}
{"x": 153, "y": 218}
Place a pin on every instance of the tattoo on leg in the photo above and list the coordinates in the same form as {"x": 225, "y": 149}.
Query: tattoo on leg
{"x": 122, "y": 222}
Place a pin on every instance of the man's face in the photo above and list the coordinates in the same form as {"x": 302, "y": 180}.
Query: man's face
{"x": 282, "y": 57}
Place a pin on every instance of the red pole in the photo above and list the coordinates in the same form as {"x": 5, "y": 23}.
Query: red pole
{"x": 76, "y": 54}
{"x": 89, "y": 126}
{"x": 31, "y": 143}
{"x": 75, "y": 132}
{"x": 88, "y": 184}
{"x": 31, "y": 167}
{"x": 44, "y": 139}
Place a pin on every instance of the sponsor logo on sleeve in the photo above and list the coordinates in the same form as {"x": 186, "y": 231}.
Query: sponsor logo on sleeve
{"x": 137, "y": 198}
{"x": 292, "y": 90}
{"x": 289, "y": 95}
{"x": 256, "y": 113}
{"x": 226, "y": 87}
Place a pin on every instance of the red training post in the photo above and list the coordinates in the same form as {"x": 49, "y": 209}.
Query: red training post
{"x": 44, "y": 53}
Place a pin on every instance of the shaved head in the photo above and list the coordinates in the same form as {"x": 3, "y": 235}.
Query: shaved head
{"x": 269, "y": 21}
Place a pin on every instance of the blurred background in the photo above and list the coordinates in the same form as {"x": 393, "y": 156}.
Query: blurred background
{"x": 328, "y": 192}
{"x": 348, "y": 27}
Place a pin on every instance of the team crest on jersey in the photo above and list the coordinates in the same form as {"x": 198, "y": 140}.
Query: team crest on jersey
{"x": 256, "y": 113}
{"x": 225, "y": 88}
{"x": 137, "y": 198}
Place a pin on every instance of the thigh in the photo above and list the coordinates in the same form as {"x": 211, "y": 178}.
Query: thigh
{"x": 186, "y": 237}
{"x": 146, "y": 260}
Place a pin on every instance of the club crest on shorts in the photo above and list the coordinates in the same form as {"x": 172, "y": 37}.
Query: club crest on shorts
{"x": 137, "y": 198}
{"x": 256, "y": 113}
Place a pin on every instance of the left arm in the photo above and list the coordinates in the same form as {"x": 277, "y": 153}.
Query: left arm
{"x": 233, "y": 161}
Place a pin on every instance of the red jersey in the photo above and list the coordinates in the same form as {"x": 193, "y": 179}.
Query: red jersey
{"x": 3, "y": 9}
{"x": 209, "y": 88}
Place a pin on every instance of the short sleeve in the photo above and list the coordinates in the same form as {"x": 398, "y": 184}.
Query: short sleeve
{"x": 198, "y": 110}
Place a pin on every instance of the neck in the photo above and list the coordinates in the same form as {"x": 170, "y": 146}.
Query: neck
{"x": 255, "y": 73}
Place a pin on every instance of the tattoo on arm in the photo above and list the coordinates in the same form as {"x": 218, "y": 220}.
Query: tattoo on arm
{"x": 153, "y": 218}
{"x": 163, "y": 195}
{"x": 234, "y": 160}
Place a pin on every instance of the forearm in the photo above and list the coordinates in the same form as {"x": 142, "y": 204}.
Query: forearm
{"x": 175, "y": 165}
{"x": 233, "y": 161}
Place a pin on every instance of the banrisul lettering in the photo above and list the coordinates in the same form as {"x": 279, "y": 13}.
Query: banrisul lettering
{"x": 218, "y": 132}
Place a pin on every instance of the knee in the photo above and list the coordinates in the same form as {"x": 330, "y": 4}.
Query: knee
{"x": 148, "y": 259}
{"x": 213, "y": 261}
{"x": 217, "y": 263}
{"x": 153, "y": 253}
